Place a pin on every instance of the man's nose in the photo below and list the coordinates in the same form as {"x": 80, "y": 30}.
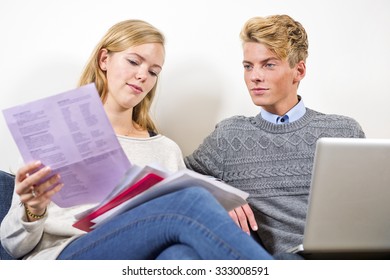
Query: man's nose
{"x": 257, "y": 74}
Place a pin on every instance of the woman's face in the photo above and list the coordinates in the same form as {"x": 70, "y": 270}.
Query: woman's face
{"x": 131, "y": 74}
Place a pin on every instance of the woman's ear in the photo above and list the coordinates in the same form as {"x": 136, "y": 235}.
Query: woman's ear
{"x": 300, "y": 71}
{"x": 103, "y": 57}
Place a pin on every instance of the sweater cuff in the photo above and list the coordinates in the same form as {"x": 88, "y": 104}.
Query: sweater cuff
{"x": 27, "y": 225}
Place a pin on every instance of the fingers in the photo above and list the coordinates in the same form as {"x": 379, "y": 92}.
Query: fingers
{"x": 233, "y": 215}
{"x": 27, "y": 169}
{"x": 46, "y": 185}
{"x": 243, "y": 216}
{"x": 27, "y": 181}
{"x": 238, "y": 216}
{"x": 250, "y": 217}
{"x": 54, "y": 190}
{"x": 242, "y": 219}
{"x": 33, "y": 181}
{"x": 35, "y": 186}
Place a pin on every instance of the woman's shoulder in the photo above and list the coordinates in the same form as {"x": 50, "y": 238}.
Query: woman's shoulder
{"x": 165, "y": 140}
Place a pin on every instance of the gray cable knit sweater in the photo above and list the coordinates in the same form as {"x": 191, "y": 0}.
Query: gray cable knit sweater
{"x": 273, "y": 164}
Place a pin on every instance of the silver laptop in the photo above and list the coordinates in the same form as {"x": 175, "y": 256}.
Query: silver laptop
{"x": 349, "y": 202}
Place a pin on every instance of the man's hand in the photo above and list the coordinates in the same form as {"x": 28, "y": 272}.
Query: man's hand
{"x": 243, "y": 216}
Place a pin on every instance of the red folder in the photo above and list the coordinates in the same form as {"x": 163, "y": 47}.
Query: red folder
{"x": 143, "y": 184}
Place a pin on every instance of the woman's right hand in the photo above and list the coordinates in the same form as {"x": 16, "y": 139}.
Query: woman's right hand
{"x": 35, "y": 188}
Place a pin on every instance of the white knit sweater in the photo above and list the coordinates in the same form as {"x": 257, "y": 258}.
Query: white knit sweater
{"x": 46, "y": 238}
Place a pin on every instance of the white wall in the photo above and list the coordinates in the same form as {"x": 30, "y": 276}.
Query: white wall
{"x": 45, "y": 44}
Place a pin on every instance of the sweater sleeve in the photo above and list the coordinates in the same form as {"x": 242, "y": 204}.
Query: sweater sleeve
{"x": 208, "y": 158}
{"x": 18, "y": 236}
{"x": 359, "y": 133}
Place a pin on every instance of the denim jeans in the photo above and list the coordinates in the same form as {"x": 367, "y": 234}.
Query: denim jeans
{"x": 187, "y": 224}
{"x": 6, "y": 190}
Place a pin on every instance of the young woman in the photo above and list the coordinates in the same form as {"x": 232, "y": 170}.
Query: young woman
{"x": 187, "y": 224}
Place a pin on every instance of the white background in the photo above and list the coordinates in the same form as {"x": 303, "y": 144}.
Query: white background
{"x": 214, "y": 269}
{"x": 45, "y": 44}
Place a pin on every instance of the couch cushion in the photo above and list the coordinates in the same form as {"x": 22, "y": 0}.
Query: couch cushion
{"x": 6, "y": 190}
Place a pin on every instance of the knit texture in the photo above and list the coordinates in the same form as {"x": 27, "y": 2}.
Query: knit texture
{"x": 273, "y": 163}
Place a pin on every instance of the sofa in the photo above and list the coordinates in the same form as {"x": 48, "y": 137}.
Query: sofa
{"x": 6, "y": 190}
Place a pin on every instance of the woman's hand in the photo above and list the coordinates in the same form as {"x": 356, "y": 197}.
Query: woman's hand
{"x": 35, "y": 186}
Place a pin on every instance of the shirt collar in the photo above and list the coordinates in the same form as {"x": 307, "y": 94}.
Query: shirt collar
{"x": 293, "y": 115}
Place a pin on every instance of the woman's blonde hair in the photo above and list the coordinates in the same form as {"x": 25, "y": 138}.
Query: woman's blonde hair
{"x": 121, "y": 36}
{"x": 281, "y": 34}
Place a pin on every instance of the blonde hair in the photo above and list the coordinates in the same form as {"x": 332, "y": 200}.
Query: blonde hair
{"x": 121, "y": 36}
{"x": 281, "y": 34}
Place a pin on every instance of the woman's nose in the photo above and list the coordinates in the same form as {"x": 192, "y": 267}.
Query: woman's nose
{"x": 141, "y": 74}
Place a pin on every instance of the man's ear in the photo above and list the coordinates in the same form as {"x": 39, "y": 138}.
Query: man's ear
{"x": 103, "y": 56}
{"x": 300, "y": 71}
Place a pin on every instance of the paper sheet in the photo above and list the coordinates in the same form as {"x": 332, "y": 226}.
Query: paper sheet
{"x": 70, "y": 132}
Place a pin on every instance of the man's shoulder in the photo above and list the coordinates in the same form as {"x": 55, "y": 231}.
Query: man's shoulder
{"x": 333, "y": 117}
{"x": 235, "y": 120}
{"x": 336, "y": 121}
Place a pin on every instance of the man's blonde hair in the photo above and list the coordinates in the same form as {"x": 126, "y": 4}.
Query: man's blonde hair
{"x": 279, "y": 33}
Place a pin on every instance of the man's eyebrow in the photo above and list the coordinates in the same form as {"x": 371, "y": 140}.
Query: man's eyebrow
{"x": 261, "y": 61}
{"x": 142, "y": 58}
{"x": 246, "y": 62}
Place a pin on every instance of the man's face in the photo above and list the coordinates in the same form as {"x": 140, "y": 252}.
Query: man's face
{"x": 271, "y": 82}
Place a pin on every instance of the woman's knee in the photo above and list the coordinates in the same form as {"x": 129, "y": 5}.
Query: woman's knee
{"x": 197, "y": 192}
{"x": 197, "y": 196}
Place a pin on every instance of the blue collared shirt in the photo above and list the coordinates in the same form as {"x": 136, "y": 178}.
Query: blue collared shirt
{"x": 294, "y": 114}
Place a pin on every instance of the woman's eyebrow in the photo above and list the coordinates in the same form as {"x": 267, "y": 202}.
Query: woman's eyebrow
{"x": 142, "y": 58}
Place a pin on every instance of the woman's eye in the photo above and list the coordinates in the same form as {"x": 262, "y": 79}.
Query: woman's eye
{"x": 133, "y": 62}
{"x": 153, "y": 73}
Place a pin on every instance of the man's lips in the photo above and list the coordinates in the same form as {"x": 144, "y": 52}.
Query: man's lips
{"x": 136, "y": 88}
{"x": 259, "y": 90}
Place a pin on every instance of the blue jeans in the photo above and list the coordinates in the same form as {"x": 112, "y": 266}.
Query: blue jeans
{"x": 7, "y": 182}
{"x": 187, "y": 224}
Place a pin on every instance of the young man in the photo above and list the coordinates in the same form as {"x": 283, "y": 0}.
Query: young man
{"x": 271, "y": 155}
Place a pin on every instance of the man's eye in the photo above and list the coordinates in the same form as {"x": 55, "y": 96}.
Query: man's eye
{"x": 247, "y": 67}
{"x": 270, "y": 65}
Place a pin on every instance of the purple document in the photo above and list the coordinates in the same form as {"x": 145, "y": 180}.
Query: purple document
{"x": 70, "y": 132}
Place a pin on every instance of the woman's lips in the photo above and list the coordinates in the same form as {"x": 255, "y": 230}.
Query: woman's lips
{"x": 136, "y": 88}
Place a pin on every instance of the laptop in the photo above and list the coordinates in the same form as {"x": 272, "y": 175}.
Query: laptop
{"x": 349, "y": 202}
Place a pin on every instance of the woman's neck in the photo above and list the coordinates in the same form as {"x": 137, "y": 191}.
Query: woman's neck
{"x": 123, "y": 124}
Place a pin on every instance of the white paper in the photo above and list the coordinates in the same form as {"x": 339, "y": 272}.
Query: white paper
{"x": 70, "y": 132}
{"x": 228, "y": 196}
